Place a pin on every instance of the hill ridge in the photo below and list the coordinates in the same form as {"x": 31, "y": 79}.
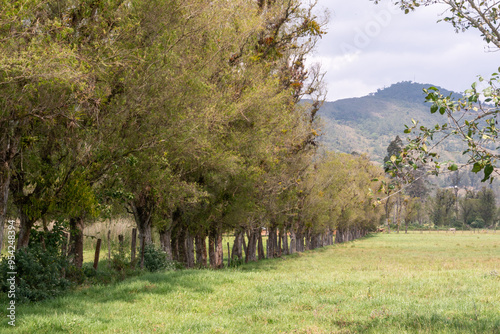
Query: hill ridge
{"x": 368, "y": 124}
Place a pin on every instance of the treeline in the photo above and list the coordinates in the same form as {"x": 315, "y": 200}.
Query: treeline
{"x": 475, "y": 209}
{"x": 448, "y": 207}
{"x": 184, "y": 113}
{"x": 412, "y": 199}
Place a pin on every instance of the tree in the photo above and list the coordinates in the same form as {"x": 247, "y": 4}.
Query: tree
{"x": 472, "y": 118}
{"x": 42, "y": 81}
{"x": 468, "y": 207}
{"x": 486, "y": 206}
{"x": 442, "y": 207}
{"x": 337, "y": 195}
{"x": 394, "y": 149}
{"x": 181, "y": 115}
{"x": 412, "y": 208}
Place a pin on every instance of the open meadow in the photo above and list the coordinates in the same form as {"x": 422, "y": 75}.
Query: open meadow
{"x": 397, "y": 283}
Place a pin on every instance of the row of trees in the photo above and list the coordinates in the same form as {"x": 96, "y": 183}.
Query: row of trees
{"x": 475, "y": 209}
{"x": 186, "y": 116}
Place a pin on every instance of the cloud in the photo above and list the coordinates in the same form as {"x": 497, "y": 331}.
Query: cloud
{"x": 369, "y": 47}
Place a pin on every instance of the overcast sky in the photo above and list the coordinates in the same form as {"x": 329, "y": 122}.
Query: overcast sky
{"x": 371, "y": 46}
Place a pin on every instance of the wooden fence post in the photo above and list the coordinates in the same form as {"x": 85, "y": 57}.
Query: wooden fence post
{"x": 97, "y": 251}
{"x": 109, "y": 248}
{"x": 120, "y": 241}
{"x": 133, "y": 247}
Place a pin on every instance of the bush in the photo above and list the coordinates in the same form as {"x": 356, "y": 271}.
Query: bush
{"x": 122, "y": 265}
{"x": 478, "y": 223}
{"x": 42, "y": 271}
{"x": 236, "y": 262}
{"x": 155, "y": 259}
{"x": 40, "y": 274}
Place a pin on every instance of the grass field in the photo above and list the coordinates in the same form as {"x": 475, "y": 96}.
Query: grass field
{"x": 415, "y": 283}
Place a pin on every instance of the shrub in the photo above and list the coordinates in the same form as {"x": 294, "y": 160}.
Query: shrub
{"x": 478, "y": 223}
{"x": 236, "y": 262}
{"x": 155, "y": 259}
{"x": 40, "y": 274}
{"x": 122, "y": 265}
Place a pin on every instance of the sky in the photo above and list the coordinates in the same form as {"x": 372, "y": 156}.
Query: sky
{"x": 369, "y": 47}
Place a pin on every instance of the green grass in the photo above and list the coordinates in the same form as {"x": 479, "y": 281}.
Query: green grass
{"x": 415, "y": 283}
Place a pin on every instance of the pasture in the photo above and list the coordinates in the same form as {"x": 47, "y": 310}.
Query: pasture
{"x": 397, "y": 283}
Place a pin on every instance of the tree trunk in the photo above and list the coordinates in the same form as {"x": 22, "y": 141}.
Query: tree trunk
{"x": 219, "y": 251}
{"x": 293, "y": 242}
{"x": 212, "y": 247}
{"x": 9, "y": 143}
{"x": 189, "y": 247}
{"x": 236, "y": 252}
{"x": 165, "y": 243}
{"x": 280, "y": 238}
{"x": 300, "y": 240}
{"x": 174, "y": 246}
{"x": 5, "y": 175}
{"x": 143, "y": 213}
{"x": 181, "y": 244}
{"x": 261, "y": 245}
{"x": 252, "y": 246}
{"x": 338, "y": 237}
{"x": 76, "y": 226}
{"x": 271, "y": 241}
{"x": 175, "y": 241}
{"x": 285, "y": 242}
{"x": 198, "y": 250}
{"x": 201, "y": 250}
{"x": 243, "y": 240}
{"x": 24, "y": 230}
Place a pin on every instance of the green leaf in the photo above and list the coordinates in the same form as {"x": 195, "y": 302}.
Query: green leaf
{"x": 453, "y": 167}
{"x": 487, "y": 172}
{"x": 434, "y": 108}
{"x": 477, "y": 167}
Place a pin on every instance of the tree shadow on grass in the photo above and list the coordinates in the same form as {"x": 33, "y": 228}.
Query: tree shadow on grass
{"x": 197, "y": 281}
{"x": 83, "y": 300}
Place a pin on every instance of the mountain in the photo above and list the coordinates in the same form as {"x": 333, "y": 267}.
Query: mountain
{"x": 368, "y": 124}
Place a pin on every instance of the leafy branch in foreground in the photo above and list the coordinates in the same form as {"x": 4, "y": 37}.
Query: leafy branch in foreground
{"x": 473, "y": 119}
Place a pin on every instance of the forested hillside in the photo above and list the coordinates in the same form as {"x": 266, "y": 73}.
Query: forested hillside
{"x": 368, "y": 124}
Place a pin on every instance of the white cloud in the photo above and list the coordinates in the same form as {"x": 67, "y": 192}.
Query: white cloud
{"x": 369, "y": 47}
